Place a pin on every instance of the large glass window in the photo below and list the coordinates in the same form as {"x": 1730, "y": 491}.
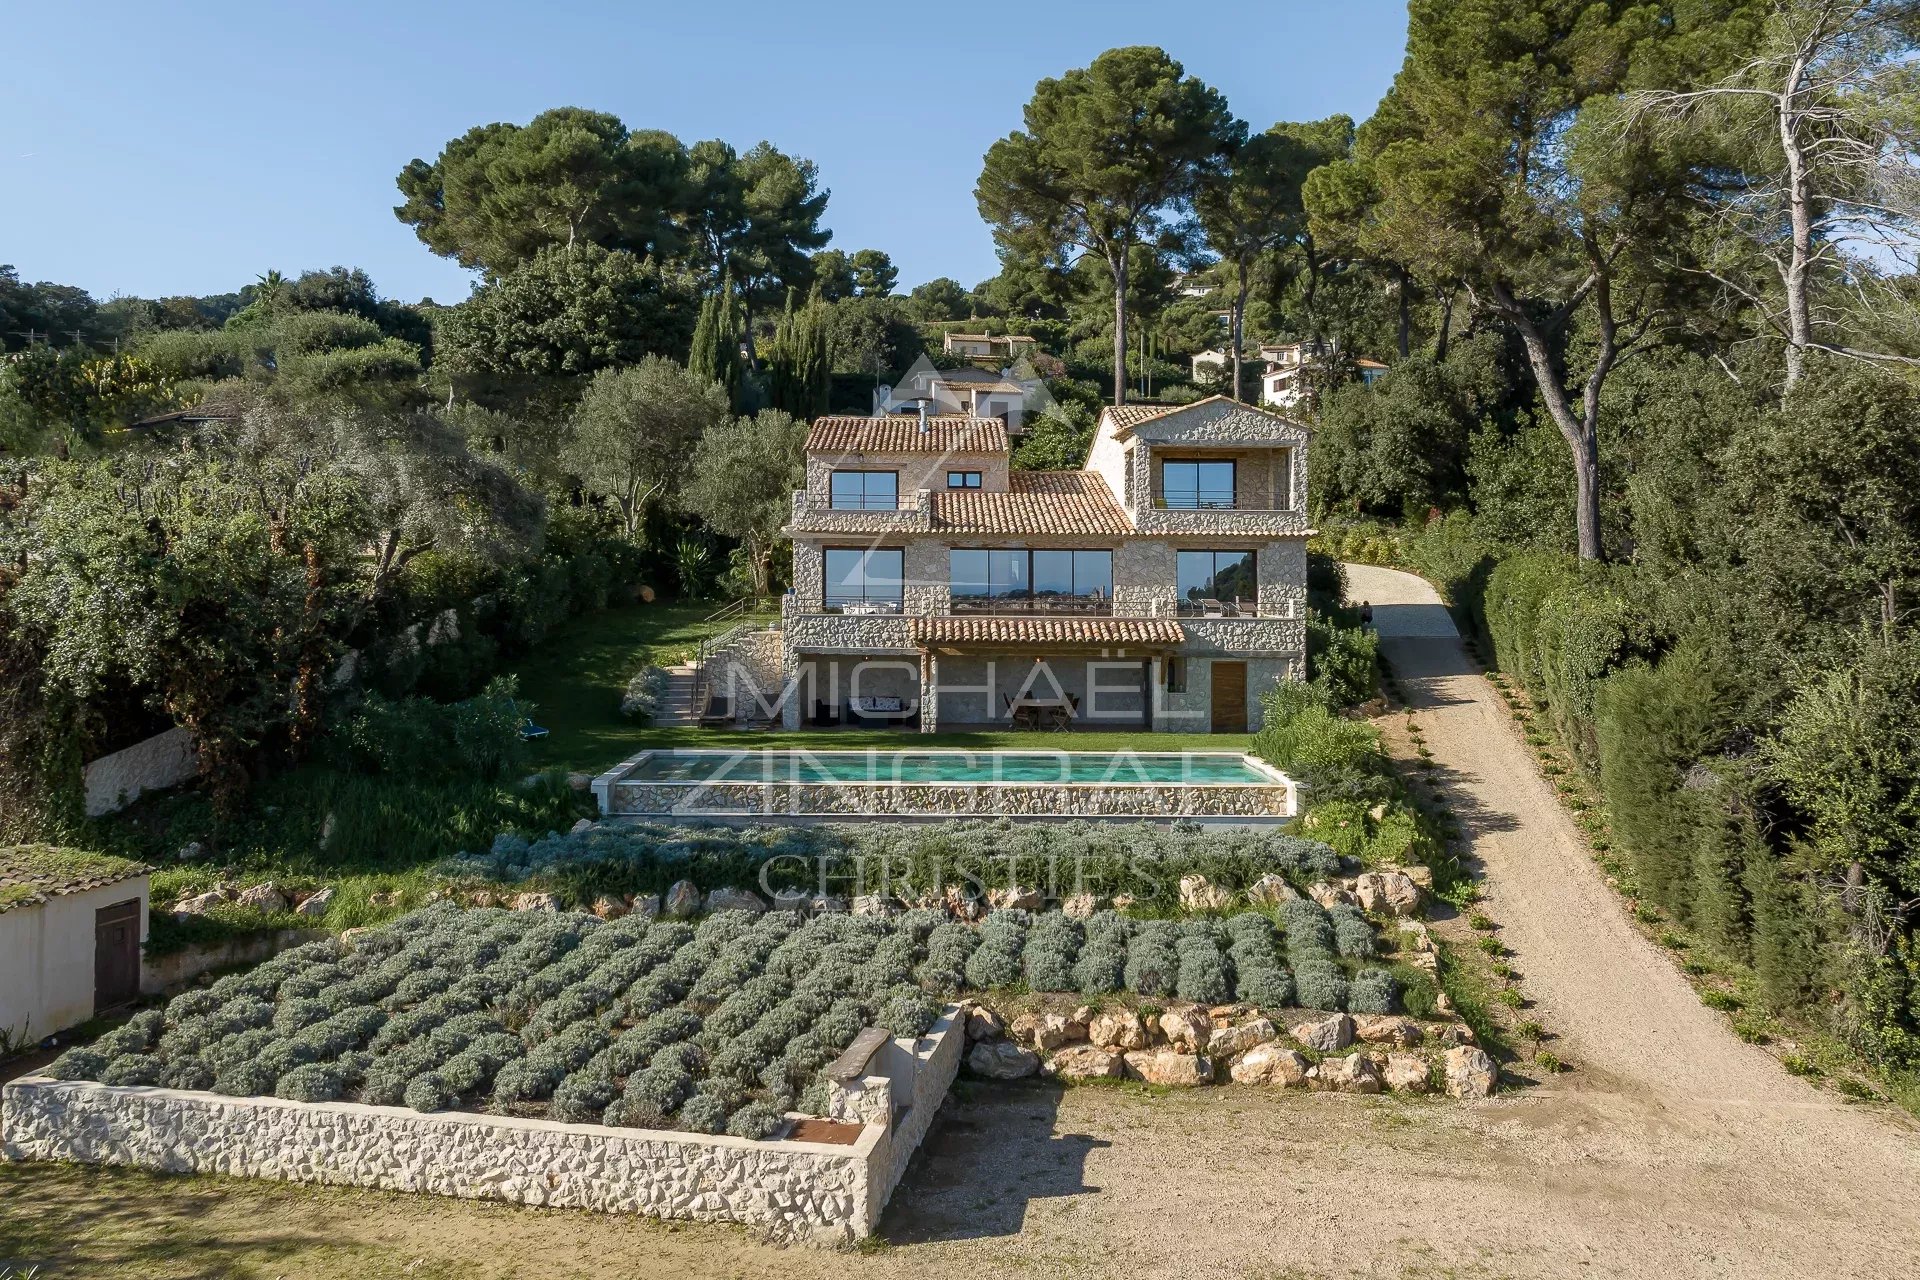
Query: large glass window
{"x": 865, "y": 580}
{"x": 1222, "y": 577}
{"x": 1190, "y": 486}
{"x": 865, "y": 490}
{"x": 978, "y": 574}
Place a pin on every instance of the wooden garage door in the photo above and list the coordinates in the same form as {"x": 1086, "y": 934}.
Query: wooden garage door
{"x": 1229, "y": 697}
{"x": 116, "y": 954}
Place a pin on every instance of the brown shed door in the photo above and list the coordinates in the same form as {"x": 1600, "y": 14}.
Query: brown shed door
{"x": 1229, "y": 697}
{"x": 116, "y": 954}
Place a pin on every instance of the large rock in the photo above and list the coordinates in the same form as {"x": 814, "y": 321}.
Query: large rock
{"x": 1085, "y": 1062}
{"x": 829, "y": 904}
{"x": 315, "y": 904}
{"x": 263, "y": 897}
{"x": 1421, "y": 876}
{"x": 609, "y": 908}
{"x": 875, "y": 904}
{"x": 644, "y": 905}
{"x": 682, "y": 900}
{"x": 734, "y": 900}
{"x": 483, "y": 898}
{"x": 1328, "y": 1035}
{"x": 535, "y": 902}
{"x": 1328, "y": 895}
{"x": 1002, "y": 1060}
{"x": 792, "y": 900}
{"x": 199, "y": 904}
{"x": 1387, "y": 1028}
{"x": 1227, "y": 1041}
{"x": 1387, "y": 893}
{"x": 585, "y": 824}
{"x": 1042, "y": 1031}
{"x": 963, "y": 904}
{"x": 1015, "y": 898}
{"x": 1169, "y": 1067}
{"x": 1079, "y": 906}
{"x": 1355, "y": 1073}
{"x": 1270, "y": 890}
{"x": 1118, "y": 1029}
{"x": 983, "y": 1024}
{"x": 1470, "y": 1072}
{"x": 1271, "y": 1064}
{"x": 1197, "y": 893}
{"x": 1187, "y": 1027}
{"x": 1407, "y": 1073}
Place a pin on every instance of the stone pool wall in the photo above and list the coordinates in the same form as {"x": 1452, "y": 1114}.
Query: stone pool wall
{"x": 814, "y": 1191}
{"x": 939, "y": 800}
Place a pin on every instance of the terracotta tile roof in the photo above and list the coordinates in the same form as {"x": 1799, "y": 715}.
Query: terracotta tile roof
{"x": 900, "y": 433}
{"x": 1038, "y": 502}
{"x": 984, "y": 629}
{"x": 1129, "y": 417}
{"x": 32, "y": 873}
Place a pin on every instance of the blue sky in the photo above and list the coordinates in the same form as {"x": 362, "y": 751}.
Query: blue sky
{"x": 185, "y": 148}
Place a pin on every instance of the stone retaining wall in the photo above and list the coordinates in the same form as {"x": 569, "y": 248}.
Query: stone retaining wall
{"x": 821, "y": 1192}
{"x": 930, "y": 800}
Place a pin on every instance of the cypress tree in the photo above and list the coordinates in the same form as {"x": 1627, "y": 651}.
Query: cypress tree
{"x": 800, "y": 364}
{"x": 716, "y": 343}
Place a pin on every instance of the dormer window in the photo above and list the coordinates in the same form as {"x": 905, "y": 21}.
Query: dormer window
{"x": 1196, "y": 486}
{"x": 963, "y": 479}
{"x": 865, "y": 490}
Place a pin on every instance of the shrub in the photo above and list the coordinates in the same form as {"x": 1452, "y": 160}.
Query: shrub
{"x": 1203, "y": 972}
{"x": 1153, "y": 963}
{"x": 996, "y": 961}
{"x": 908, "y": 1014}
{"x": 1048, "y": 956}
{"x": 755, "y": 1120}
{"x": 314, "y": 1082}
{"x": 1352, "y": 935}
{"x": 187, "y": 1073}
{"x": 1371, "y": 991}
{"x": 132, "y": 1068}
{"x": 645, "y": 694}
{"x": 1319, "y": 984}
{"x": 703, "y": 1113}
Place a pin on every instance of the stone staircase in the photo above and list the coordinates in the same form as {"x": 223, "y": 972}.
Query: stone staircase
{"x": 677, "y": 707}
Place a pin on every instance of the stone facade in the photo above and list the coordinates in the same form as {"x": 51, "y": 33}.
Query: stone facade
{"x": 1145, "y": 538}
{"x": 821, "y": 1192}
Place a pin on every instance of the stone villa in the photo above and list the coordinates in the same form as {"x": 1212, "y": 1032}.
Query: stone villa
{"x": 1161, "y": 586}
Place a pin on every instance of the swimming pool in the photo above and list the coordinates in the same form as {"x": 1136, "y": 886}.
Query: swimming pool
{"x": 1182, "y": 768}
{"x": 932, "y": 784}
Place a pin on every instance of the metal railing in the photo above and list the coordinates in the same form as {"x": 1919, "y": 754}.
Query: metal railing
{"x": 713, "y": 645}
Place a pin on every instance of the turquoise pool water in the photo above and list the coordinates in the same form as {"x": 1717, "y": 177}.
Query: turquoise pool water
{"x": 1189, "y": 768}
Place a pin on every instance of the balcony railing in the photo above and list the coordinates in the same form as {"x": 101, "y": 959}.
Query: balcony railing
{"x": 1196, "y": 500}
{"x": 1071, "y": 606}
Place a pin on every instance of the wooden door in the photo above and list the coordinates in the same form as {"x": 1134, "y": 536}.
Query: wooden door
{"x": 1229, "y": 697}
{"x": 116, "y": 954}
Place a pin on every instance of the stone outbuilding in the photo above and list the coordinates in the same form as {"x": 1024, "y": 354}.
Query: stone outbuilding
{"x": 72, "y": 925}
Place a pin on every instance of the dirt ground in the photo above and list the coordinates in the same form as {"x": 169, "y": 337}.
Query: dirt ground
{"x": 1673, "y": 1150}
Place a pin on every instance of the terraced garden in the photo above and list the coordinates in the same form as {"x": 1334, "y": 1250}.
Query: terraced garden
{"x": 724, "y": 1026}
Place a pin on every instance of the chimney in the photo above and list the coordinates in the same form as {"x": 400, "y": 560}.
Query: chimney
{"x": 924, "y": 427}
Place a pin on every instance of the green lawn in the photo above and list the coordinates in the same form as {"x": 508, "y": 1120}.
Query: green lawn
{"x": 576, "y": 679}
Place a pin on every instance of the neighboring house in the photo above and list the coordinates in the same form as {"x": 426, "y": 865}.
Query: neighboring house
{"x": 1369, "y": 370}
{"x": 968, "y": 392}
{"x": 71, "y": 928}
{"x": 989, "y": 346}
{"x": 1211, "y": 363}
{"x": 1286, "y": 384}
{"x": 1161, "y": 586}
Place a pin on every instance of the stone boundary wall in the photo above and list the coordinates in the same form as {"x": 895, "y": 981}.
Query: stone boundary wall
{"x": 812, "y": 1191}
{"x": 115, "y": 781}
